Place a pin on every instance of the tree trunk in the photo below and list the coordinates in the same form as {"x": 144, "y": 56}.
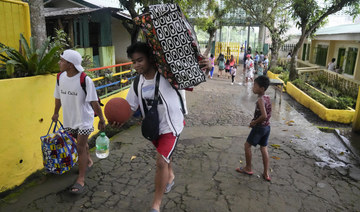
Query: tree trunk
{"x": 134, "y": 34}
{"x": 274, "y": 52}
{"x": 38, "y": 26}
{"x": 261, "y": 38}
{"x": 293, "y": 74}
{"x": 209, "y": 44}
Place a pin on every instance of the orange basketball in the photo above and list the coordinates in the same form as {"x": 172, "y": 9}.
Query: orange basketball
{"x": 118, "y": 110}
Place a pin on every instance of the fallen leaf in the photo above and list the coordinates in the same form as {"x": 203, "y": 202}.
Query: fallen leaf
{"x": 284, "y": 130}
{"x": 341, "y": 153}
{"x": 132, "y": 158}
{"x": 290, "y": 123}
{"x": 274, "y": 157}
{"x": 277, "y": 146}
{"x": 298, "y": 136}
{"x": 290, "y": 141}
{"x": 240, "y": 161}
{"x": 271, "y": 170}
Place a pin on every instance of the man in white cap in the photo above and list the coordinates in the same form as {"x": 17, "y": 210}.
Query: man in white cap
{"x": 79, "y": 103}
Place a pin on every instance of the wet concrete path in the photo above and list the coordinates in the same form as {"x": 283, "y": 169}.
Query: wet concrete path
{"x": 311, "y": 170}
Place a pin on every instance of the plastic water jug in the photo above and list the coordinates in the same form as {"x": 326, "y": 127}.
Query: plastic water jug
{"x": 102, "y": 146}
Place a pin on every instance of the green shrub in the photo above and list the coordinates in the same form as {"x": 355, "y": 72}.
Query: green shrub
{"x": 284, "y": 76}
{"x": 319, "y": 97}
{"x": 345, "y": 95}
{"x": 32, "y": 62}
{"x": 277, "y": 70}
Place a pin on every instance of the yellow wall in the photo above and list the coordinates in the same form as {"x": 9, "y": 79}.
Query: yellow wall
{"x": 15, "y": 19}
{"x": 26, "y": 108}
{"x": 341, "y": 116}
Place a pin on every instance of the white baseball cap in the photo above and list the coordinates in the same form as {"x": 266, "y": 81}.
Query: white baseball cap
{"x": 73, "y": 57}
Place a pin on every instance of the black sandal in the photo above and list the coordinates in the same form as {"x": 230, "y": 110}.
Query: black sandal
{"x": 79, "y": 187}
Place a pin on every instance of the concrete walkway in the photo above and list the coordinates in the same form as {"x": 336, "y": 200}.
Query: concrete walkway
{"x": 310, "y": 170}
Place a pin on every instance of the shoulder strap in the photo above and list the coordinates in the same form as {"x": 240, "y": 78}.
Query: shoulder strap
{"x": 136, "y": 84}
{"x": 83, "y": 81}
{"x": 156, "y": 95}
{"x": 181, "y": 101}
{"x": 58, "y": 77}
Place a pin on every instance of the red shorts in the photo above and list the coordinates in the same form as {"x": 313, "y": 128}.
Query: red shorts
{"x": 165, "y": 145}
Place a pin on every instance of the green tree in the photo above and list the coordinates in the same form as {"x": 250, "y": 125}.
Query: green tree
{"x": 310, "y": 15}
{"x": 137, "y": 7}
{"x": 207, "y": 17}
{"x": 273, "y": 14}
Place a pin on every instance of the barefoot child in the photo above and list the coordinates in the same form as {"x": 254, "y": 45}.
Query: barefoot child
{"x": 260, "y": 125}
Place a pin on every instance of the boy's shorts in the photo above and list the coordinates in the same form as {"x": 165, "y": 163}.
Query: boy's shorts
{"x": 259, "y": 135}
{"x": 165, "y": 145}
{"x": 76, "y": 132}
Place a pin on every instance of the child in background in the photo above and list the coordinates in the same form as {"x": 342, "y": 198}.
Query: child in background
{"x": 212, "y": 59}
{"x": 260, "y": 125}
{"x": 233, "y": 74}
{"x": 249, "y": 74}
{"x": 227, "y": 68}
{"x": 260, "y": 69}
{"x": 232, "y": 61}
{"x": 221, "y": 61}
{"x": 266, "y": 65}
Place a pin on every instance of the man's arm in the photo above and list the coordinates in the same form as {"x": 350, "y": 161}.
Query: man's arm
{"x": 96, "y": 107}
{"x": 55, "y": 117}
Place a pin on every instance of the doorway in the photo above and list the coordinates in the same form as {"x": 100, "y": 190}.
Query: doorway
{"x": 351, "y": 60}
{"x": 340, "y": 59}
{"x": 321, "y": 55}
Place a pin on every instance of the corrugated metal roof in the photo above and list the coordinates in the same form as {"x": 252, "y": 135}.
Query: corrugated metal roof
{"x": 54, "y": 12}
{"x": 341, "y": 29}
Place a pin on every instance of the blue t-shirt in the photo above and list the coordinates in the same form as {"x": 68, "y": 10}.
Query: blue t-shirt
{"x": 256, "y": 58}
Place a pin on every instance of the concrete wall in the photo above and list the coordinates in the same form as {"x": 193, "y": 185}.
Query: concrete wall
{"x": 15, "y": 19}
{"x": 107, "y": 55}
{"x": 121, "y": 39}
{"x": 26, "y": 108}
{"x": 86, "y": 51}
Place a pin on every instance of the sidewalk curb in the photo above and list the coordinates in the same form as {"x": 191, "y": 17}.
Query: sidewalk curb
{"x": 347, "y": 143}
